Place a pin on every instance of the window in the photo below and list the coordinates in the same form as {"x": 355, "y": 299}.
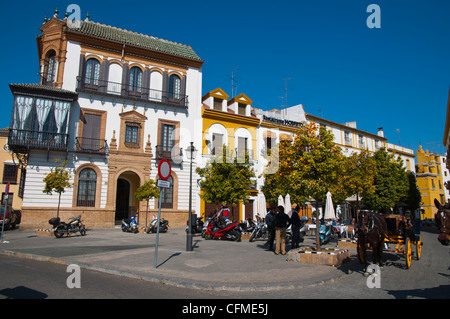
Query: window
{"x": 167, "y": 197}
{"x": 87, "y": 183}
{"x": 174, "y": 87}
{"x": 92, "y": 72}
{"x": 217, "y": 104}
{"x": 241, "y": 109}
{"x": 10, "y": 173}
{"x": 50, "y": 68}
{"x": 131, "y": 134}
{"x": 217, "y": 143}
{"x": 348, "y": 138}
{"x": 10, "y": 199}
{"x": 361, "y": 141}
{"x": 135, "y": 84}
{"x": 167, "y": 137}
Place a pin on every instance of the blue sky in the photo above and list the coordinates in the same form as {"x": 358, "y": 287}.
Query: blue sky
{"x": 396, "y": 77}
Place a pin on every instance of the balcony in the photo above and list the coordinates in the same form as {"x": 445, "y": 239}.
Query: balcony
{"x": 174, "y": 154}
{"x": 91, "y": 145}
{"x": 25, "y": 139}
{"x": 134, "y": 93}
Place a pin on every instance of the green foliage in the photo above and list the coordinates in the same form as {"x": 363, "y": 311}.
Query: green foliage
{"x": 226, "y": 180}
{"x": 390, "y": 181}
{"x": 147, "y": 191}
{"x": 307, "y": 168}
{"x": 58, "y": 179}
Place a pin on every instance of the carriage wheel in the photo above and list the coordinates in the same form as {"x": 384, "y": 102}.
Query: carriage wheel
{"x": 408, "y": 252}
{"x": 419, "y": 248}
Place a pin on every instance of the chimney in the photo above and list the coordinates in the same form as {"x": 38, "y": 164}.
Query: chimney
{"x": 380, "y": 132}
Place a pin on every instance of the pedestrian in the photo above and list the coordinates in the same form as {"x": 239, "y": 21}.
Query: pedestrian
{"x": 270, "y": 222}
{"x": 296, "y": 224}
{"x": 282, "y": 221}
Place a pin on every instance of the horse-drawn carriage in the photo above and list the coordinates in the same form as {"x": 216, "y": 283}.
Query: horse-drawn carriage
{"x": 381, "y": 232}
{"x": 404, "y": 232}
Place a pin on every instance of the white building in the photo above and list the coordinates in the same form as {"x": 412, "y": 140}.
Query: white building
{"x": 112, "y": 103}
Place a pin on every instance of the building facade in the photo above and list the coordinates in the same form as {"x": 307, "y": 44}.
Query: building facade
{"x": 430, "y": 172}
{"x": 112, "y": 103}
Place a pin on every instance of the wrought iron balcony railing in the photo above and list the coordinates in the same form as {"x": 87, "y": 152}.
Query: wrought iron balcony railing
{"x": 37, "y": 139}
{"x": 91, "y": 145}
{"x": 174, "y": 154}
{"x": 131, "y": 92}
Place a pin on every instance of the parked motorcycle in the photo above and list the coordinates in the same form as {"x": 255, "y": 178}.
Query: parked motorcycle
{"x": 71, "y": 227}
{"x": 249, "y": 225}
{"x": 129, "y": 225}
{"x": 325, "y": 233}
{"x": 153, "y": 227}
{"x": 260, "y": 230}
{"x": 216, "y": 230}
{"x": 197, "y": 224}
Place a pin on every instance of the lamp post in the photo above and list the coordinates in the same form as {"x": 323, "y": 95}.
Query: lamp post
{"x": 191, "y": 153}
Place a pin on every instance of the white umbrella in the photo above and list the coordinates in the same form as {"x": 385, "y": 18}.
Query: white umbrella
{"x": 329, "y": 209}
{"x": 262, "y": 211}
{"x": 288, "y": 206}
{"x": 281, "y": 201}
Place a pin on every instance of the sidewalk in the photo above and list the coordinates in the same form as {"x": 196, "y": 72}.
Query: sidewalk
{"x": 213, "y": 264}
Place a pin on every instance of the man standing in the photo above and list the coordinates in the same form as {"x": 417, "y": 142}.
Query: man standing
{"x": 281, "y": 223}
{"x": 296, "y": 223}
{"x": 270, "y": 221}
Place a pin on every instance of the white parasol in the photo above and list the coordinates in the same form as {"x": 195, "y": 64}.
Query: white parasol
{"x": 329, "y": 209}
{"x": 288, "y": 206}
{"x": 262, "y": 211}
{"x": 281, "y": 202}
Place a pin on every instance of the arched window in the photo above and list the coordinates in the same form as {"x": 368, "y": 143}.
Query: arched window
{"x": 174, "y": 86}
{"x": 167, "y": 197}
{"x": 92, "y": 72}
{"x": 87, "y": 182}
{"x": 50, "y": 68}
{"x": 135, "y": 84}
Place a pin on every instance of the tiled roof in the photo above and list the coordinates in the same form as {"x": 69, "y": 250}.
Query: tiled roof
{"x": 42, "y": 88}
{"x": 110, "y": 33}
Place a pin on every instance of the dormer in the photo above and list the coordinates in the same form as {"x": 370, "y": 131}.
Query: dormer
{"x": 241, "y": 105}
{"x": 216, "y": 100}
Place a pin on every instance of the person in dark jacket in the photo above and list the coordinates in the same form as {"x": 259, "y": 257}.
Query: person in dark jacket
{"x": 270, "y": 221}
{"x": 296, "y": 224}
{"x": 282, "y": 221}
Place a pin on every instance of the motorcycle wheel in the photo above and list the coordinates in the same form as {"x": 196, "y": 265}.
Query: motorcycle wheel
{"x": 253, "y": 236}
{"x": 237, "y": 235}
{"x": 82, "y": 230}
{"x": 57, "y": 231}
{"x": 288, "y": 238}
{"x": 208, "y": 236}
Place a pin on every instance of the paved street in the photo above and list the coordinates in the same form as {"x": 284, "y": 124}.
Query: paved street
{"x": 215, "y": 269}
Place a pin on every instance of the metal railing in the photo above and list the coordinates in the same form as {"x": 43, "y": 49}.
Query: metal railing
{"x": 174, "y": 154}
{"x": 130, "y": 91}
{"x": 91, "y": 145}
{"x": 38, "y": 139}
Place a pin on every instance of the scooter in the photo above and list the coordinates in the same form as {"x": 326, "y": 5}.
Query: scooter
{"x": 249, "y": 225}
{"x": 129, "y": 225}
{"x": 74, "y": 225}
{"x": 153, "y": 227}
{"x": 325, "y": 233}
{"x": 197, "y": 225}
{"x": 216, "y": 230}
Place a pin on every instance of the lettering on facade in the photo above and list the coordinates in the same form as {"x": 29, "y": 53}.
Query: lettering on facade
{"x": 282, "y": 122}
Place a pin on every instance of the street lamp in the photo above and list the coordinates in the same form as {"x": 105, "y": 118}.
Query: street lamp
{"x": 191, "y": 153}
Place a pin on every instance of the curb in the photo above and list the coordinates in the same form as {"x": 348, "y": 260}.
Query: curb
{"x": 177, "y": 282}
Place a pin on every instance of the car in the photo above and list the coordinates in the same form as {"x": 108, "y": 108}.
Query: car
{"x": 13, "y": 217}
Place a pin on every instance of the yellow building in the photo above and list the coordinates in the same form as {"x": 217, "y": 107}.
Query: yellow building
{"x": 229, "y": 122}
{"x": 429, "y": 181}
{"x": 10, "y": 173}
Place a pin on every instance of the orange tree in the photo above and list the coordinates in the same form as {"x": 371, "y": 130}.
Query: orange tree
{"x": 307, "y": 168}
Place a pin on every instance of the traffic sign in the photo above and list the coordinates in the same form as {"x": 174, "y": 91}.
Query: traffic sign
{"x": 164, "y": 169}
{"x": 163, "y": 184}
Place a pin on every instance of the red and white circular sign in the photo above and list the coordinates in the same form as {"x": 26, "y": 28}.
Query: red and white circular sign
{"x": 164, "y": 169}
